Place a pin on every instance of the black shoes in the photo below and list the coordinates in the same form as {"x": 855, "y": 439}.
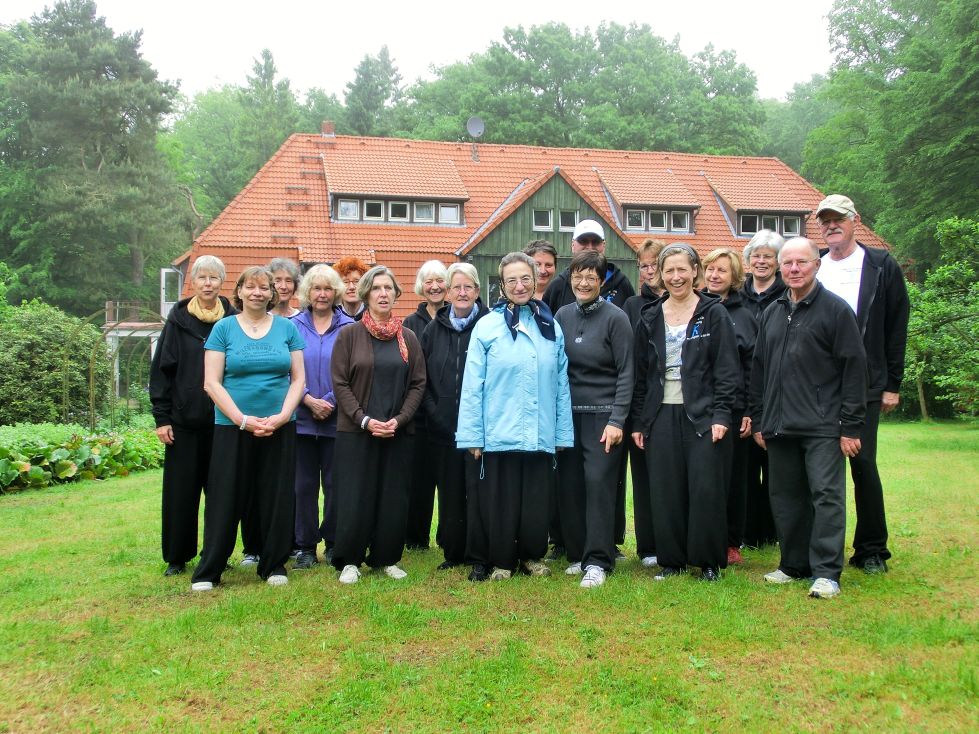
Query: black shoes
{"x": 667, "y": 572}
{"x": 479, "y": 573}
{"x": 304, "y": 560}
{"x": 874, "y": 564}
{"x": 446, "y": 565}
{"x": 619, "y": 555}
{"x": 556, "y": 554}
{"x": 710, "y": 573}
{"x": 175, "y": 569}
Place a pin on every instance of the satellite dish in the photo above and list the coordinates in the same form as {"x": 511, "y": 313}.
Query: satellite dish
{"x": 475, "y": 127}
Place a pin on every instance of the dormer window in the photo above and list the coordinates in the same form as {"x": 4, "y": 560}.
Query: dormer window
{"x": 449, "y": 213}
{"x": 398, "y": 211}
{"x": 787, "y": 225}
{"x": 657, "y": 220}
{"x": 350, "y": 209}
{"x": 374, "y": 210}
{"x": 679, "y": 221}
{"x": 635, "y": 219}
{"x": 424, "y": 212}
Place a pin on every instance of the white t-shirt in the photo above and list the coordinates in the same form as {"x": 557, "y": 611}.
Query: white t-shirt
{"x": 842, "y": 277}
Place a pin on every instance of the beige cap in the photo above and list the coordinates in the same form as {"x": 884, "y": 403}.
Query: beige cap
{"x": 836, "y": 203}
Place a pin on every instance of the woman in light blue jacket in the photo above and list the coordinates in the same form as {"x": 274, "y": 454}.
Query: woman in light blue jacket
{"x": 514, "y": 414}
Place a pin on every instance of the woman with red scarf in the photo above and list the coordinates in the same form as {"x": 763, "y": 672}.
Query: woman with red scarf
{"x": 378, "y": 381}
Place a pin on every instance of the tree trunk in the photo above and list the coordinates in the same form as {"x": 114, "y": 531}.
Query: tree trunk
{"x": 920, "y": 384}
{"x": 137, "y": 261}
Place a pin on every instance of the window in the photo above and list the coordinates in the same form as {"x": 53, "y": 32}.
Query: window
{"x": 568, "y": 221}
{"x": 449, "y": 213}
{"x": 348, "y": 209}
{"x": 635, "y": 219}
{"x": 542, "y": 220}
{"x": 791, "y": 226}
{"x": 424, "y": 212}
{"x": 374, "y": 210}
{"x": 657, "y": 220}
{"x": 398, "y": 211}
{"x": 769, "y": 222}
{"x": 749, "y": 223}
{"x": 679, "y": 221}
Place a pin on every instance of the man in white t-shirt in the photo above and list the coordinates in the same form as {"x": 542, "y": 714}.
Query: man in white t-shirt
{"x": 872, "y": 283}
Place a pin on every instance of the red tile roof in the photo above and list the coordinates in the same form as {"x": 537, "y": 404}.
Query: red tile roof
{"x": 284, "y": 209}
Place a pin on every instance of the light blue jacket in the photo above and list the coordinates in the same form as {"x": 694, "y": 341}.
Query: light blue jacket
{"x": 515, "y": 393}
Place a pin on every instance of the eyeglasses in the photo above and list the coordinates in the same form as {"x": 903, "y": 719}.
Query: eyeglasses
{"x": 584, "y": 279}
{"x": 647, "y": 266}
{"x": 524, "y": 280}
{"x": 789, "y": 264}
{"x": 593, "y": 241}
{"x": 463, "y": 288}
{"x": 761, "y": 257}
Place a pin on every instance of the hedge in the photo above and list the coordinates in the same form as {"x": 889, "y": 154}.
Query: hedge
{"x": 39, "y": 455}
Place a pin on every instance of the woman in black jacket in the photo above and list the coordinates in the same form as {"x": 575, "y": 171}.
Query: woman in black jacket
{"x": 445, "y": 344}
{"x": 724, "y": 277}
{"x": 687, "y": 381}
{"x": 183, "y": 412}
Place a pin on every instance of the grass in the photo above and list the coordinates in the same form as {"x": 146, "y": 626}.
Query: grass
{"x": 93, "y": 638}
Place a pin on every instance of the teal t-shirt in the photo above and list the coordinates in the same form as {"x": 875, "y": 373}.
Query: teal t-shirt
{"x": 256, "y": 371}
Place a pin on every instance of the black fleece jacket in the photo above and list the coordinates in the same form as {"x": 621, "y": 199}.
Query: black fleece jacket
{"x": 809, "y": 374}
{"x": 710, "y": 374}
{"x": 635, "y": 304}
{"x": 746, "y": 332}
{"x": 177, "y": 371}
{"x": 616, "y": 289}
{"x": 758, "y": 302}
{"x": 445, "y": 359}
{"x": 883, "y": 309}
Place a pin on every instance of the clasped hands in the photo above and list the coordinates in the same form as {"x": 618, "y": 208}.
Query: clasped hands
{"x": 382, "y": 429}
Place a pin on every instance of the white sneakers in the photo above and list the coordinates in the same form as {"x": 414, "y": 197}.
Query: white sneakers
{"x": 249, "y": 559}
{"x": 594, "y": 576}
{"x": 202, "y": 586}
{"x": 349, "y": 575}
{"x": 649, "y": 561}
{"x": 778, "y": 576}
{"x": 395, "y": 573}
{"x": 573, "y": 570}
{"x": 277, "y": 579}
{"x": 824, "y": 589}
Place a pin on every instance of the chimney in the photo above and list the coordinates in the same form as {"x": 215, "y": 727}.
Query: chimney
{"x": 328, "y": 129}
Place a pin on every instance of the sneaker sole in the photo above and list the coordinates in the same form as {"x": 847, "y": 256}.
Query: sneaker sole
{"x": 202, "y": 586}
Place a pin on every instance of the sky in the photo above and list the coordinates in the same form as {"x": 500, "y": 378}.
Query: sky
{"x": 207, "y": 43}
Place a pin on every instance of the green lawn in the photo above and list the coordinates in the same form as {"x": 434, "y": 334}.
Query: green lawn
{"x": 93, "y": 638}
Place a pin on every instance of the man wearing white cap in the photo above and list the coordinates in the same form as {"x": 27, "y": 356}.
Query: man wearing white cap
{"x": 589, "y": 235}
{"x": 872, "y": 283}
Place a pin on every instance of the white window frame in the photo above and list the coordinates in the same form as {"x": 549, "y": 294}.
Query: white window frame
{"x": 561, "y": 227}
{"x": 550, "y": 220}
{"x": 642, "y": 219}
{"x": 666, "y": 220}
{"x": 742, "y": 230}
{"x": 798, "y": 226}
{"x": 773, "y": 217}
{"x": 368, "y": 218}
{"x": 458, "y": 213}
{"x": 405, "y": 218}
{"x": 686, "y": 214}
{"x": 341, "y": 202}
{"x": 424, "y": 219}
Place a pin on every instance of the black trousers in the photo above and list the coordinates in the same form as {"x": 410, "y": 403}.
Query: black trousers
{"x": 620, "y": 491}
{"x": 509, "y": 518}
{"x": 421, "y": 493}
{"x": 314, "y": 468}
{"x": 808, "y": 485}
{"x": 185, "y": 466}
{"x": 588, "y": 482}
{"x": 371, "y": 478}
{"x": 870, "y": 536}
{"x": 737, "y": 490}
{"x": 759, "y": 527}
{"x": 641, "y": 508}
{"x": 453, "y": 467}
{"x": 687, "y": 492}
{"x": 252, "y": 472}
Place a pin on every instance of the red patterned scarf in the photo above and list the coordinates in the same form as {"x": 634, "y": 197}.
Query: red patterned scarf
{"x": 387, "y": 330}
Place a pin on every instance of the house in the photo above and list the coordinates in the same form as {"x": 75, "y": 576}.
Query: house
{"x": 400, "y": 202}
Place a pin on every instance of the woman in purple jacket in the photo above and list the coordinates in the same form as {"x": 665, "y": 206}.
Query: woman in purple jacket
{"x": 319, "y": 323}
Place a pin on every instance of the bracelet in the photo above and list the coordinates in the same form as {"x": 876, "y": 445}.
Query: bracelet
{"x": 363, "y": 423}
{"x": 244, "y": 422}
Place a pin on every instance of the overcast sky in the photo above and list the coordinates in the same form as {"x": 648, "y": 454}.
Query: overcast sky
{"x": 205, "y": 43}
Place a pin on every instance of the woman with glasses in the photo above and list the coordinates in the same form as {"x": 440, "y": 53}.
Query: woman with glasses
{"x": 445, "y": 343}
{"x": 599, "y": 347}
{"x": 687, "y": 380}
{"x": 514, "y": 413}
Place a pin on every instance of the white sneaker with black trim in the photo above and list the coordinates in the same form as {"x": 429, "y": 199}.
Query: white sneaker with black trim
{"x": 594, "y": 576}
{"x": 349, "y": 575}
{"x": 824, "y": 589}
{"x": 778, "y": 576}
{"x": 395, "y": 573}
{"x": 573, "y": 570}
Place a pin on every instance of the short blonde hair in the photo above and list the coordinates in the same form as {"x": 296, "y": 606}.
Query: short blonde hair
{"x": 367, "y": 281}
{"x": 254, "y": 272}
{"x": 737, "y": 269}
{"x": 318, "y": 274}
{"x": 429, "y": 269}
{"x": 466, "y": 269}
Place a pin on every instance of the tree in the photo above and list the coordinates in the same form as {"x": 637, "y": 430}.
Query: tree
{"x": 788, "y": 124}
{"x": 270, "y": 113}
{"x": 372, "y": 94}
{"x": 97, "y": 207}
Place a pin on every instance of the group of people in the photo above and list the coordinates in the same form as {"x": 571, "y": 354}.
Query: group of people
{"x": 733, "y": 398}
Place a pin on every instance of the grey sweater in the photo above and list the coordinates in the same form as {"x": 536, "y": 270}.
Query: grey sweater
{"x": 599, "y": 343}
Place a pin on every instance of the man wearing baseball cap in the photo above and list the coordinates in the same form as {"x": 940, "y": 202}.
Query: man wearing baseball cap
{"x": 872, "y": 283}
{"x": 589, "y": 235}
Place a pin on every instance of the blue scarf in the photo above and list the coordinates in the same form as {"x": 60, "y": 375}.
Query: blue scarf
{"x": 461, "y": 322}
{"x": 542, "y": 315}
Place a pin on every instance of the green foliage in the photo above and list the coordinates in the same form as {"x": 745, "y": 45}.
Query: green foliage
{"x": 788, "y": 124}
{"x": 33, "y": 456}
{"x": 42, "y": 351}
{"x": 372, "y": 94}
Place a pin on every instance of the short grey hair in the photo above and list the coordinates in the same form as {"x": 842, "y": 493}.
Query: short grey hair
{"x": 429, "y": 269}
{"x": 366, "y": 281}
{"x": 813, "y": 247}
{"x": 318, "y": 274}
{"x": 466, "y": 269}
{"x": 764, "y": 239}
{"x": 290, "y": 266}
{"x": 209, "y": 263}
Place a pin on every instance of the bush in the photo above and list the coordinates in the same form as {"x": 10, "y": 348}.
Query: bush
{"x": 38, "y": 344}
{"x": 39, "y": 455}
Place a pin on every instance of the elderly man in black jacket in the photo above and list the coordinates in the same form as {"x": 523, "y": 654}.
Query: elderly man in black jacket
{"x": 871, "y": 282}
{"x": 807, "y": 405}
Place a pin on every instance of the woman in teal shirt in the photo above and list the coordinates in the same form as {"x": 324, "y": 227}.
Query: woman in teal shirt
{"x": 253, "y": 370}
